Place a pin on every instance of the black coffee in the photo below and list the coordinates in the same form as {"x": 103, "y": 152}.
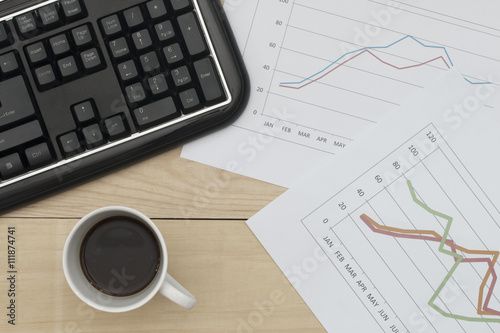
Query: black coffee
{"x": 120, "y": 256}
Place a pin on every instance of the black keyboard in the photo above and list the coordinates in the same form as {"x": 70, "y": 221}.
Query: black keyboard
{"x": 87, "y": 85}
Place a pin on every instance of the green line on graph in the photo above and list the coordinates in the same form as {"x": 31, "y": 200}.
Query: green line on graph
{"x": 458, "y": 260}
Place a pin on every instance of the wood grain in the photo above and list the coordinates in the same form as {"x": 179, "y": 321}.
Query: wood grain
{"x": 237, "y": 285}
{"x": 164, "y": 186}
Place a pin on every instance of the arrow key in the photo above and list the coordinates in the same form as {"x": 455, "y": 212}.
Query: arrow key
{"x": 8, "y": 63}
{"x": 93, "y": 136}
{"x": 70, "y": 144}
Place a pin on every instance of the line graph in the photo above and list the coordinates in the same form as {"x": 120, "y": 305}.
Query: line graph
{"x": 323, "y": 72}
{"x": 364, "y": 50}
{"x": 414, "y": 229}
{"x": 417, "y": 234}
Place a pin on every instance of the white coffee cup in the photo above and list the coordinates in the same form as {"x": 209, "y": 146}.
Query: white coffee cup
{"x": 75, "y": 276}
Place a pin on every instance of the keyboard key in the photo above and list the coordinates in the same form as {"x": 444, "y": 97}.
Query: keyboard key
{"x": 59, "y": 44}
{"x": 181, "y": 76}
{"x": 49, "y": 15}
{"x": 70, "y": 144}
{"x": 5, "y": 38}
{"x": 180, "y": 4}
{"x": 164, "y": 31}
{"x": 20, "y": 135}
{"x": 135, "y": 93}
{"x": 82, "y": 35}
{"x": 68, "y": 67}
{"x": 26, "y": 25}
{"x": 39, "y": 156}
{"x": 111, "y": 25}
{"x": 134, "y": 17}
{"x": 45, "y": 76}
{"x": 158, "y": 84}
{"x": 11, "y": 166}
{"x": 192, "y": 34}
{"x": 91, "y": 59}
{"x": 150, "y": 62}
{"x": 142, "y": 39}
{"x": 207, "y": 76}
{"x": 151, "y": 114}
{"x": 156, "y": 9}
{"x": 72, "y": 9}
{"x": 190, "y": 101}
{"x": 173, "y": 53}
{"x": 93, "y": 136}
{"x": 36, "y": 53}
{"x": 15, "y": 101}
{"x": 8, "y": 63}
{"x": 84, "y": 111}
{"x": 119, "y": 47}
{"x": 115, "y": 128}
{"x": 127, "y": 70}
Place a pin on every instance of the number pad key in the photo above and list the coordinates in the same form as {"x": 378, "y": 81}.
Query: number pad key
{"x": 150, "y": 62}
{"x": 164, "y": 31}
{"x": 127, "y": 70}
{"x": 135, "y": 93}
{"x": 158, "y": 84}
{"x": 156, "y": 9}
{"x": 119, "y": 48}
{"x": 111, "y": 25}
{"x": 133, "y": 17}
{"x": 173, "y": 53}
{"x": 142, "y": 40}
{"x": 181, "y": 76}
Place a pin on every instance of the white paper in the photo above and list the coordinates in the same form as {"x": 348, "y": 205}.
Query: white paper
{"x": 356, "y": 279}
{"x": 285, "y": 131}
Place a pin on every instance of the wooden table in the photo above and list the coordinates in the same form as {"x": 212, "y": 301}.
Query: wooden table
{"x": 201, "y": 212}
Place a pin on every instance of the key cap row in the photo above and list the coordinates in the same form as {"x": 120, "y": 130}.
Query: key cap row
{"x": 93, "y": 135}
{"x": 91, "y": 131}
{"x": 48, "y": 17}
{"x": 36, "y": 155}
{"x": 194, "y": 91}
{"x": 64, "y": 57}
{"x": 136, "y": 17}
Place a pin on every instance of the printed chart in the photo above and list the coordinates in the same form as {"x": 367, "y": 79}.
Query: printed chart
{"x": 415, "y": 238}
{"x": 324, "y": 71}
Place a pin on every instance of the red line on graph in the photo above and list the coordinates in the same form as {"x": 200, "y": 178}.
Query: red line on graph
{"x": 417, "y": 234}
{"x": 357, "y": 55}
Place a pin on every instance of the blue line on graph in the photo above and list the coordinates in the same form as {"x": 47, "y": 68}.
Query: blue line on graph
{"x": 382, "y": 47}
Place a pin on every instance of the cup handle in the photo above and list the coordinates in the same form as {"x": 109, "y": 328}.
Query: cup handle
{"x": 173, "y": 290}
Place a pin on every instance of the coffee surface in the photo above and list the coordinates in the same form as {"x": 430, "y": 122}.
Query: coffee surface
{"x": 120, "y": 256}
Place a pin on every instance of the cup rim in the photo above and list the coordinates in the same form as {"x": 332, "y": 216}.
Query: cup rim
{"x": 98, "y": 215}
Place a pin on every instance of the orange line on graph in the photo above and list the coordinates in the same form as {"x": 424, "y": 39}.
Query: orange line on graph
{"x": 438, "y": 237}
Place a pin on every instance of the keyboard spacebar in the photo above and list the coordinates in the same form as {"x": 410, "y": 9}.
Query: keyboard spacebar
{"x": 20, "y": 135}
